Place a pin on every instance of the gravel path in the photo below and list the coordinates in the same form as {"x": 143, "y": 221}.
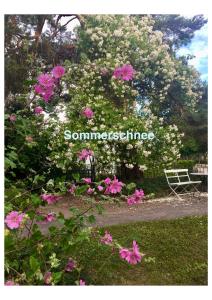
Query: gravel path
{"x": 156, "y": 209}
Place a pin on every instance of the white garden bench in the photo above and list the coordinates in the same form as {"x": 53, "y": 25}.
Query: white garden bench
{"x": 180, "y": 183}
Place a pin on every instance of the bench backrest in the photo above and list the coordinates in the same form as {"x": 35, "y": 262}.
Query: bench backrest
{"x": 177, "y": 175}
{"x": 201, "y": 168}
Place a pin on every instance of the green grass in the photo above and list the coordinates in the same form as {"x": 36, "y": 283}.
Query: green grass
{"x": 176, "y": 254}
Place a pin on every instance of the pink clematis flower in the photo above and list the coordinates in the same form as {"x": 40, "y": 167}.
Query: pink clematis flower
{"x": 50, "y": 198}
{"x": 87, "y": 180}
{"x": 90, "y": 191}
{"x": 88, "y": 113}
{"x": 47, "y": 277}
{"x": 46, "y": 80}
{"x": 107, "y": 238}
{"x": 14, "y": 219}
{"x": 38, "y": 110}
{"x": 58, "y": 72}
{"x": 82, "y": 282}
{"x": 12, "y": 118}
{"x": 70, "y": 265}
{"x": 84, "y": 154}
{"x": 107, "y": 180}
{"x": 100, "y": 188}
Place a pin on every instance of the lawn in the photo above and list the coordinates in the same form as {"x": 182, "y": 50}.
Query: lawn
{"x": 176, "y": 254}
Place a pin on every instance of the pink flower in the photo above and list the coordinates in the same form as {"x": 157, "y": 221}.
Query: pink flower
{"x": 10, "y": 282}
{"x": 12, "y": 118}
{"x": 87, "y": 180}
{"x": 117, "y": 73}
{"x": 88, "y": 113}
{"x": 124, "y": 253}
{"x": 81, "y": 282}
{"x": 46, "y": 80}
{"x": 90, "y": 191}
{"x": 131, "y": 200}
{"x": 115, "y": 186}
{"x": 14, "y": 219}
{"x": 50, "y": 217}
{"x": 131, "y": 256}
{"x": 126, "y": 72}
{"x": 38, "y": 110}
{"x": 72, "y": 189}
{"x": 84, "y": 154}
{"x": 50, "y": 198}
{"x": 136, "y": 197}
{"x": 107, "y": 238}
{"x": 58, "y": 71}
{"x": 47, "y": 95}
{"x": 107, "y": 180}
{"x": 70, "y": 265}
{"x": 39, "y": 89}
{"x": 47, "y": 277}
{"x": 100, "y": 188}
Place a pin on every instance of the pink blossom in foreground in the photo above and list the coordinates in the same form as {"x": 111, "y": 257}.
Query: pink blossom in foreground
{"x": 47, "y": 95}
{"x": 107, "y": 180}
{"x": 58, "y": 71}
{"x": 132, "y": 256}
{"x": 81, "y": 282}
{"x": 87, "y": 180}
{"x": 49, "y": 198}
{"x": 10, "y": 282}
{"x": 124, "y": 253}
{"x": 50, "y": 217}
{"x": 38, "y": 110}
{"x": 100, "y": 188}
{"x": 107, "y": 238}
{"x": 115, "y": 186}
{"x": 12, "y": 118}
{"x": 14, "y": 219}
{"x": 72, "y": 189}
{"x": 46, "y": 80}
{"x": 90, "y": 191}
{"x": 136, "y": 197}
{"x": 88, "y": 113}
{"x": 84, "y": 154}
{"x": 39, "y": 89}
{"x": 126, "y": 72}
{"x": 70, "y": 265}
{"x": 47, "y": 277}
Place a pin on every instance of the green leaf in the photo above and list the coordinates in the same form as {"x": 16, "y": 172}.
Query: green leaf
{"x": 76, "y": 176}
{"x": 34, "y": 263}
{"x": 91, "y": 219}
{"x": 56, "y": 277}
{"x": 80, "y": 190}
